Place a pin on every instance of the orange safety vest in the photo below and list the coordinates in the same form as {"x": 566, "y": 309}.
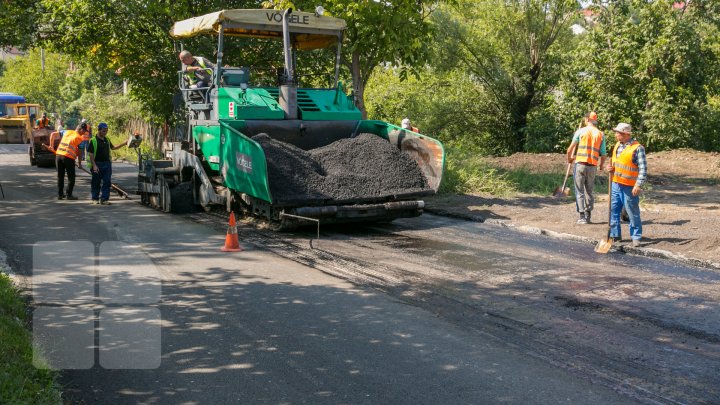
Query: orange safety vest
{"x": 43, "y": 122}
{"x": 69, "y": 144}
{"x": 626, "y": 172}
{"x": 588, "y": 150}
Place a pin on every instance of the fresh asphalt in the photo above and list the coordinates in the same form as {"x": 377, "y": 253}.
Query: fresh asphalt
{"x": 254, "y": 327}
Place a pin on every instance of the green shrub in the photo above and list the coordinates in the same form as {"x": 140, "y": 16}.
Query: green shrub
{"x": 20, "y": 381}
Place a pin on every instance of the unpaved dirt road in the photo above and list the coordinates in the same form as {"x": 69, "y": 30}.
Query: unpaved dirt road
{"x": 495, "y": 303}
{"x": 680, "y": 207}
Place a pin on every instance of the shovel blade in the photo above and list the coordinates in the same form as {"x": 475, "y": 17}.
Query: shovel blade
{"x": 603, "y": 246}
{"x": 561, "y": 192}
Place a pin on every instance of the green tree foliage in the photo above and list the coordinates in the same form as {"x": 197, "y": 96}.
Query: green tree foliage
{"x": 129, "y": 37}
{"x": 54, "y": 88}
{"x": 654, "y": 65}
{"x": 18, "y": 19}
{"x": 132, "y": 38}
{"x": 450, "y": 107}
{"x": 512, "y": 49}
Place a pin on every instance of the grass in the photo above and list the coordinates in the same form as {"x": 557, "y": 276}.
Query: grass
{"x": 467, "y": 173}
{"x": 20, "y": 381}
{"x": 470, "y": 174}
{"x": 128, "y": 154}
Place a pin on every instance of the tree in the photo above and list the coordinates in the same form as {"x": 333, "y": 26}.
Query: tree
{"x": 131, "y": 39}
{"x": 511, "y": 48}
{"x": 18, "y": 19}
{"x": 651, "y": 64}
{"x": 53, "y": 88}
{"x": 448, "y": 106}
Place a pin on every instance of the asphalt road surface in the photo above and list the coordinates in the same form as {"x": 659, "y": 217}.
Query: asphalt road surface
{"x": 423, "y": 310}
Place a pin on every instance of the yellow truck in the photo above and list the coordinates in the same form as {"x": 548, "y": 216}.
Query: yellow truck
{"x": 17, "y": 122}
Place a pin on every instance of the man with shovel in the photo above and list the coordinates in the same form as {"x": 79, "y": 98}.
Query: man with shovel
{"x": 628, "y": 167}
{"x": 589, "y": 143}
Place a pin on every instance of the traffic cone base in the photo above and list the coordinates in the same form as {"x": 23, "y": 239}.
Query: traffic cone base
{"x": 231, "y": 238}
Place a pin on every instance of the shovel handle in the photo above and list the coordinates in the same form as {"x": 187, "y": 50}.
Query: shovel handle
{"x": 567, "y": 173}
{"x": 609, "y": 202}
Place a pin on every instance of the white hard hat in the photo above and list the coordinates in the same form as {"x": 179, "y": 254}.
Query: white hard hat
{"x": 405, "y": 123}
{"x": 624, "y": 128}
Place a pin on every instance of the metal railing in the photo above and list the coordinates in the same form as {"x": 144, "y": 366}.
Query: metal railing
{"x": 203, "y": 92}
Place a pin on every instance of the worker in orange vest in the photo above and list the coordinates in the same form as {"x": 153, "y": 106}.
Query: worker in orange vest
{"x": 588, "y": 151}
{"x": 42, "y": 122}
{"x": 65, "y": 156}
{"x": 628, "y": 166}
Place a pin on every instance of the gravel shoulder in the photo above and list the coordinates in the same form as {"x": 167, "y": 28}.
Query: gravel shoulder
{"x": 680, "y": 208}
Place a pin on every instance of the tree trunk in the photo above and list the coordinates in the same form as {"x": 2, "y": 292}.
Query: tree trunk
{"x": 522, "y": 109}
{"x": 358, "y": 84}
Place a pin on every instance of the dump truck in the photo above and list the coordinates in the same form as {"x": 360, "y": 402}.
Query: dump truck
{"x": 241, "y": 137}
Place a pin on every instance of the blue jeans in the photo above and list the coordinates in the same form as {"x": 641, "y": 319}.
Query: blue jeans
{"x": 104, "y": 174}
{"x": 622, "y": 197}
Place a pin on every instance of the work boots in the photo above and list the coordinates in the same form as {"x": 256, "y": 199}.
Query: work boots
{"x": 583, "y": 220}
{"x": 587, "y": 217}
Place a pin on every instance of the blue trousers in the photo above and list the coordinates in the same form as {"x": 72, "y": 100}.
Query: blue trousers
{"x": 104, "y": 174}
{"x": 622, "y": 197}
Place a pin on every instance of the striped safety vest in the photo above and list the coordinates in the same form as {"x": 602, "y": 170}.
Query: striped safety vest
{"x": 192, "y": 76}
{"x": 69, "y": 144}
{"x": 588, "y": 150}
{"x": 626, "y": 172}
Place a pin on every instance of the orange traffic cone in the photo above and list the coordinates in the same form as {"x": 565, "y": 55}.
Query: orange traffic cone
{"x": 231, "y": 239}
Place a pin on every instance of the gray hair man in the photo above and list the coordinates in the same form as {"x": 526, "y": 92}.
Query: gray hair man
{"x": 629, "y": 172}
{"x": 198, "y": 70}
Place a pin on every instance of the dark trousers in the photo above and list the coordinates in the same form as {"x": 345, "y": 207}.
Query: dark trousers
{"x": 65, "y": 164}
{"x": 102, "y": 176}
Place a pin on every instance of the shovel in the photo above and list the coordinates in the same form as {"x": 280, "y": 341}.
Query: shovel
{"x": 605, "y": 244}
{"x": 563, "y": 191}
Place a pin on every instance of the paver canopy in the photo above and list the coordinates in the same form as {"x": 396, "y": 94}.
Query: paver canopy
{"x": 308, "y": 30}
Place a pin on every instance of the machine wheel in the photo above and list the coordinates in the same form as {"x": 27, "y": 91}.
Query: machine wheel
{"x": 165, "y": 203}
{"x": 44, "y": 163}
{"x": 195, "y": 193}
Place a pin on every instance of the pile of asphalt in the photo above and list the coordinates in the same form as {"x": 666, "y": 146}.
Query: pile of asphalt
{"x": 366, "y": 166}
